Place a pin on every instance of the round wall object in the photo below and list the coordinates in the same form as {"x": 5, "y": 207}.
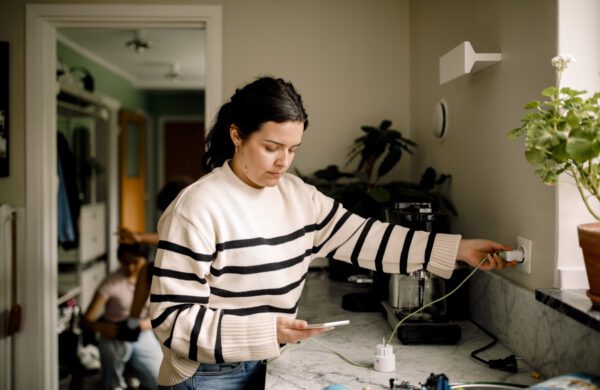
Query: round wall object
{"x": 440, "y": 119}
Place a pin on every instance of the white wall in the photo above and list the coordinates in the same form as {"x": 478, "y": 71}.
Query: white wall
{"x": 348, "y": 59}
{"x": 578, "y": 35}
{"x": 495, "y": 190}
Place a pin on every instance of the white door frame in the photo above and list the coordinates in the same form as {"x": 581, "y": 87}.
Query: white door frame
{"x": 36, "y": 355}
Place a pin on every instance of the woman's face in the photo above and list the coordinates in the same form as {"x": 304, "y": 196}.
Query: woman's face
{"x": 264, "y": 156}
{"x": 132, "y": 264}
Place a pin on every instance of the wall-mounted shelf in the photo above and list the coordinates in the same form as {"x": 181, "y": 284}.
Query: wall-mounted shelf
{"x": 463, "y": 60}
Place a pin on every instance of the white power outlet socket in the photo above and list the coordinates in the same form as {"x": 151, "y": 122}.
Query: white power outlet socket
{"x": 526, "y": 244}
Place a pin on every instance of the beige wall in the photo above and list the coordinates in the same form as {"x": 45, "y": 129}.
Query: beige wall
{"x": 349, "y": 60}
{"x": 495, "y": 190}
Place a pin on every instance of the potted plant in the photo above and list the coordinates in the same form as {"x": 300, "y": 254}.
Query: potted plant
{"x": 563, "y": 136}
{"x": 362, "y": 191}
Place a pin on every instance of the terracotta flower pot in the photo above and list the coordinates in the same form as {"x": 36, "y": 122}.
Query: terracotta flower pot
{"x": 589, "y": 241}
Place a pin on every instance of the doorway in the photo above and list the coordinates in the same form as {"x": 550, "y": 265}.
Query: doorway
{"x": 182, "y": 147}
{"x": 39, "y": 292}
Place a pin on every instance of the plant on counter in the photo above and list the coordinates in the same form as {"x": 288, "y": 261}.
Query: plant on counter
{"x": 378, "y": 151}
{"x": 563, "y": 136}
{"x": 361, "y": 191}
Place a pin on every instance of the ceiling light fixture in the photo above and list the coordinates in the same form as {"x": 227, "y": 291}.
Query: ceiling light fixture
{"x": 174, "y": 74}
{"x": 139, "y": 43}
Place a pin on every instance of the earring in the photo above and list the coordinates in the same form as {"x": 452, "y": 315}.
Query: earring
{"x": 237, "y": 147}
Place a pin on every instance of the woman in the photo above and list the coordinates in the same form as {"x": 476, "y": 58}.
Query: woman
{"x": 119, "y": 345}
{"x": 236, "y": 245}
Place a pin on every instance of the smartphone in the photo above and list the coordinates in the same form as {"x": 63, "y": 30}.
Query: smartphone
{"x": 329, "y": 324}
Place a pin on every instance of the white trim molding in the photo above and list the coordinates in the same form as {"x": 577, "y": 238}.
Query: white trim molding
{"x": 36, "y": 346}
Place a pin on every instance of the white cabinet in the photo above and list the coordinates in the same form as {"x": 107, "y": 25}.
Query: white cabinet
{"x": 87, "y": 278}
{"x": 92, "y": 236}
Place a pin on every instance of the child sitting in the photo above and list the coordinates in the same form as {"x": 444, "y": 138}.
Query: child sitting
{"x": 118, "y": 344}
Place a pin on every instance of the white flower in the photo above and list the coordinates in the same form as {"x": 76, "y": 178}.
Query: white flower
{"x": 561, "y": 61}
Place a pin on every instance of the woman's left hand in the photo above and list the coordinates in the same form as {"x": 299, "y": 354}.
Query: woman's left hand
{"x": 290, "y": 330}
{"x": 473, "y": 251}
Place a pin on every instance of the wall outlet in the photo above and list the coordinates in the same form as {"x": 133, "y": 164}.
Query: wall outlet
{"x": 526, "y": 245}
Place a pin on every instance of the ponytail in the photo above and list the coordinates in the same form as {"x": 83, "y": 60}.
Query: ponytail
{"x": 219, "y": 147}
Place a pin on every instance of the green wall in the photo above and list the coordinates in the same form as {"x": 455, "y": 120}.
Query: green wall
{"x": 106, "y": 82}
{"x": 160, "y": 103}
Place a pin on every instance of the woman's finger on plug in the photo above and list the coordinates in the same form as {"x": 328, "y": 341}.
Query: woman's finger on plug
{"x": 491, "y": 262}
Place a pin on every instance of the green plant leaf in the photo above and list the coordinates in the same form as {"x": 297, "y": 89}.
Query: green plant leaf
{"x": 581, "y": 145}
{"x": 549, "y": 92}
{"x": 559, "y": 152}
{"x": 535, "y": 156}
{"x": 380, "y": 194}
{"x": 516, "y": 133}
{"x": 389, "y": 161}
{"x": 427, "y": 180}
{"x": 548, "y": 176}
{"x": 385, "y": 124}
{"x": 533, "y": 104}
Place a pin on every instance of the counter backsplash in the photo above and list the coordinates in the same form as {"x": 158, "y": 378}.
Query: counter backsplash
{"x": 546, "y": 339}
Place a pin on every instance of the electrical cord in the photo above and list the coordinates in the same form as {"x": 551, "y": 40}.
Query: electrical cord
{"x": 436, "y": 301}
{"x": 368, "y": 365}
{"x": 508, "y": 363}
{"x": 410, "y": 315}
{"x": 404, "y": 319}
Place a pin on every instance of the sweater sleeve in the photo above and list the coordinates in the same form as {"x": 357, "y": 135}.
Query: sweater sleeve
{"x": 378, "y": 245}
{"x": 182, "y": 317}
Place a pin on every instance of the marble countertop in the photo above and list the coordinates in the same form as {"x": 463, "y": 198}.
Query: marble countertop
{"x": 308, "y": 365}
{"x": 573, "y": 303}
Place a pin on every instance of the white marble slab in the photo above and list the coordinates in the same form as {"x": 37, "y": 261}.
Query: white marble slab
{"x": 309, "y": 366}
{"x": 549, "y": 340}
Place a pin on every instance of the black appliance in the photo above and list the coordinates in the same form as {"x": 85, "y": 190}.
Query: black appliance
{"x": 407, "y": 293}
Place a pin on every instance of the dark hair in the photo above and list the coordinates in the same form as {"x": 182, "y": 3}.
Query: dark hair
{"x": 265, "y": 99}
{"x": 137, "y": 249}
{"x": 170, "y": 191}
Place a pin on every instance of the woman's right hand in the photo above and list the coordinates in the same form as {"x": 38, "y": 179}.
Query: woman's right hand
{"x": 127, "y": 236}
{"x": 291, "y": 331}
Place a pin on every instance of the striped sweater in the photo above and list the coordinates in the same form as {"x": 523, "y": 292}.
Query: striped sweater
{"x": 231, "y": 258}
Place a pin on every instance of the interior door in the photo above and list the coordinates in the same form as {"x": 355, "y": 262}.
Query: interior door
{"x": 132, "y": 170}
{"x": 183, "y": 148}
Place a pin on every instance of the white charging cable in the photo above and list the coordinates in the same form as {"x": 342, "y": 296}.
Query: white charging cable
{"x": 385, "y": 359}
{"x": 436, "y": 301}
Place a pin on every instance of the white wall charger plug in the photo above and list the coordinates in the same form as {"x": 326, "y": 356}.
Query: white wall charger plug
{"x": 385, "y": 359}
{"x": 517, "y": 255}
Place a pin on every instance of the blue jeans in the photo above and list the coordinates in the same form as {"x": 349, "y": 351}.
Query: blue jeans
{"x": 225, "y": 376}
{"x": 144, "y": 357}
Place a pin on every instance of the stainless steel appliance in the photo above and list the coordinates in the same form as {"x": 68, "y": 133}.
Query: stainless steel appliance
{"x": 408, "y": 293}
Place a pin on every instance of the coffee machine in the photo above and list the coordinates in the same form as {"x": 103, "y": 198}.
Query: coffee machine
{"x": 408, "y": 293}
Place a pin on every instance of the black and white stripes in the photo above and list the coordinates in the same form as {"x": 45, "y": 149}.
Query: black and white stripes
{"x": 232, "y": 258}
